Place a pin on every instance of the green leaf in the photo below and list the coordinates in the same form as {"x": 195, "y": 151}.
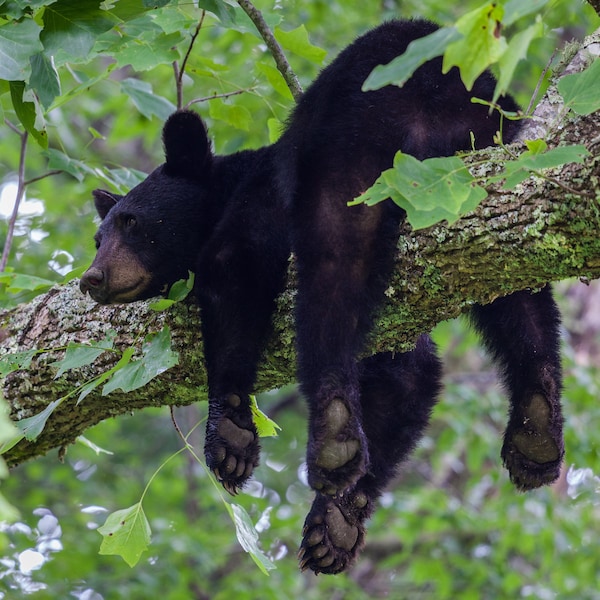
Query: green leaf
{"x": 71, "y": 29}
{"x": 429, "y": 191}
{"x": 177, "y": 292}
{"x": 297, "y": 41}
{"x": 517, "y": 9}
{"x": 79, "y": 355}
{"x": 146, "y": 101}
{"x": 16, "y": 361}
{"x": 232, "y": 114}
{"x": 146, "y": 51}
{"x": 7, "y": 427}
{"x": 223, "y": 11}
{"x": 84, "y": 87}
{"x": 535, "y": 160}
{"x": 90, "y": 386}
{"x": 10, "y": 435}
{"x": 580, "y": 91}
{"x": 121, "y": 179}
{"x": 516, "y": 51}
{"x": 18, "y": 41}
{"x": 157, "y": 357}
{"x": 276, "y": 127}
{"x": 536, "y": 146}
{"x": 26, "y": 112}
{"x": 398, "y": 71}
{"x": 19, "y": 282}
{"x": 126, "y": 533}
{"x": 58, "y": 160}
{"x": 44, "y": 79}
{"x": 31, "y": 427}
{"x": 481, "y": 46}
{"x": 248, "y": 537}
{"x": 265, "y": 426}
{"x": 181, "y": 289}
{"x": 275, "y": 79}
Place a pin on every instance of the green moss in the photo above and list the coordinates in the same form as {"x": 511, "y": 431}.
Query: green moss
{"x": 432, "y": 280}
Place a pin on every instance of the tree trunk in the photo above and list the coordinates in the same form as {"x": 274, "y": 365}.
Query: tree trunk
{"x": 515, "y": 240}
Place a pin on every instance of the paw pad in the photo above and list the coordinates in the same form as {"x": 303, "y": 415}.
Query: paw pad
{"x": 338, "y": 458}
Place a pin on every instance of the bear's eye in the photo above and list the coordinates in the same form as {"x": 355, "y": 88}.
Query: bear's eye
{"x": 130, "y": 222}
{"x": 97, "y": 241}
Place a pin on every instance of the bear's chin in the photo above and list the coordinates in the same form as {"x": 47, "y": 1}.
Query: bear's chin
{"x": 139, "y": 291}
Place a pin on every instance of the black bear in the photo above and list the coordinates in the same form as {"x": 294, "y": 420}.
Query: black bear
{"x": 234, "y": 220}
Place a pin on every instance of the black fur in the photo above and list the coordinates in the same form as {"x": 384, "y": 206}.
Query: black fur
{"x": 234, "y": 220}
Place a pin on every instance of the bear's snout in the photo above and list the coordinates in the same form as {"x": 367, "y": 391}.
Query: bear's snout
{"x": 94, "y": 282}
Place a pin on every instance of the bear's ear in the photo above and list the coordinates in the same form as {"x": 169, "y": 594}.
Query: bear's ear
{"x": 187, "y": 148}
{"x": 104, "y": 201}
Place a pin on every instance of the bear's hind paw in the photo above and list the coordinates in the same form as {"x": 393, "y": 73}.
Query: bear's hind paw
{"x": 333, "y": 533}
{"x": 533, "y": 446}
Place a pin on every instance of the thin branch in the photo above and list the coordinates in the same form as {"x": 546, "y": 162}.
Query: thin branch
{"x": 534, "y": 97}
{"x": 215, "y": 96}
{"x": 13, "y": 127}
{"x": 40, "y": 177}
{"x": 20, "y": 193}
{"x": 179, "y": 71}
{"x": 274, "y": 48}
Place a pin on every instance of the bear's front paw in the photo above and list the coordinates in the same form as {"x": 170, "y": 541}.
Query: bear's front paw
{"x": 533, "y": 446}
{"x": 337, "y": 450}
{"x": 333, "y": 533}
{"x": 231, "y": 447}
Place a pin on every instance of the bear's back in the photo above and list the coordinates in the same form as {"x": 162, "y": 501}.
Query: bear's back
{"x": 336, "y": 126}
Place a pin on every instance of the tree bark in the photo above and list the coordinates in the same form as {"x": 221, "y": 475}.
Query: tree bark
{"x": 520, "y": 239}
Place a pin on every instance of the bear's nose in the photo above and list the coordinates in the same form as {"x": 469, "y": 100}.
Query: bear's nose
{"x": 93, "y": 279}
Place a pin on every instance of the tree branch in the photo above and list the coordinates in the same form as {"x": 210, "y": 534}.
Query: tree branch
{"x": 19, "y": 196}
{"x": 515, "y": 240}
{"x": 274, "y": 48}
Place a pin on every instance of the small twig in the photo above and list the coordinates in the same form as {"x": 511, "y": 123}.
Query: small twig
{"x": 20, "y": 192}
{"x": 39, "y": 177}
{"x": 13, "y": 127}
{"x": 179, "y": 71}
{"x": 532, "y": 102}
{"x": 176, "y": 425}
{"x": 564, "y": 186}
{"x": 273, "y": 45}
{"x": 214, "y": 96}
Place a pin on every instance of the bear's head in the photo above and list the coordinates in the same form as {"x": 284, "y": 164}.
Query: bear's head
{"x": 151, "y": 237}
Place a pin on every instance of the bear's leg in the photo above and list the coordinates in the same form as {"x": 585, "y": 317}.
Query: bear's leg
{"x": 398, "y": 393}
{"x": 344, "y": 256}
{"x": 522, "y": 333}
{"x": 236, "y": 291}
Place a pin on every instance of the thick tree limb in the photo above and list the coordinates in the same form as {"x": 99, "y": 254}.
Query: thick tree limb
{"x": 515, "y": 240}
